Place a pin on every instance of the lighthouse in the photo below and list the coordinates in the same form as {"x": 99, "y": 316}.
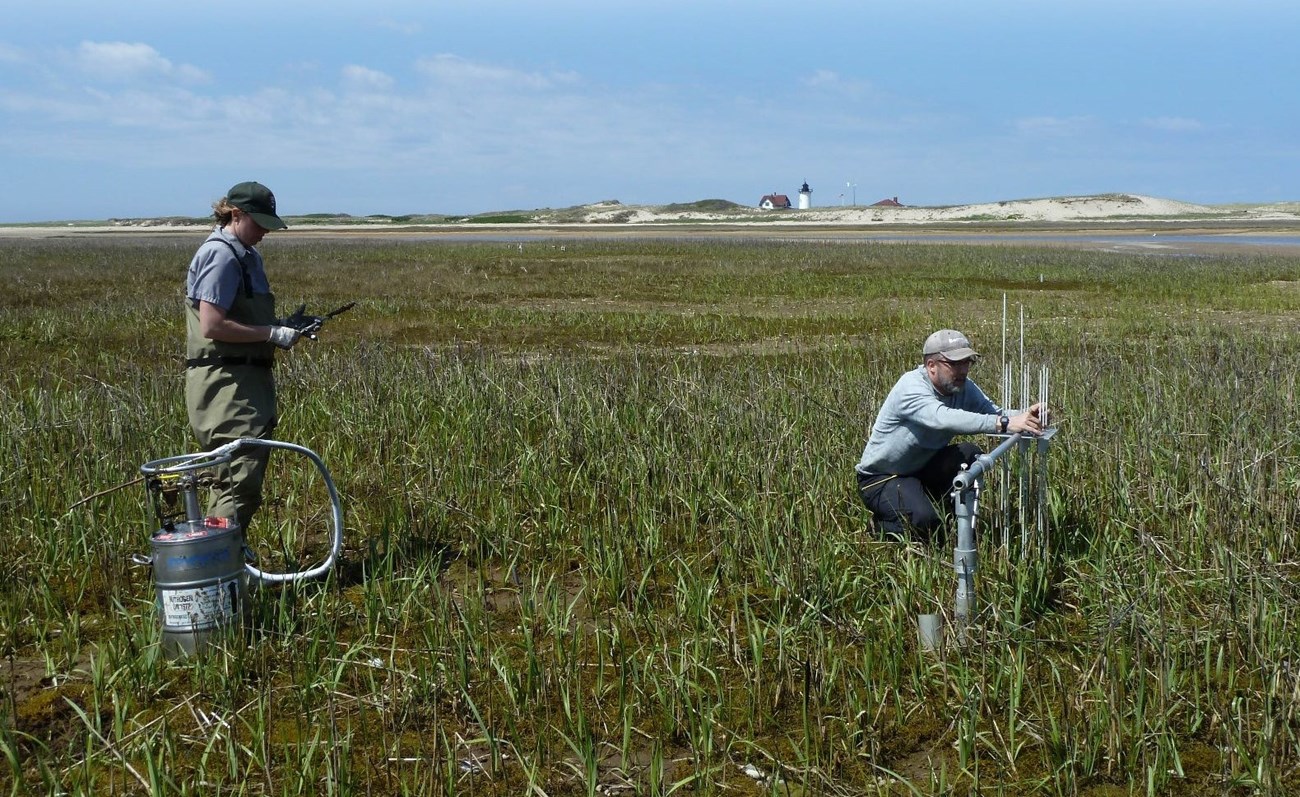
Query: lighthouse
{"x": 805, "y": 196}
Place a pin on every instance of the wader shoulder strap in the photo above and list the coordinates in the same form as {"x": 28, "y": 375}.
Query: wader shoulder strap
{"x": 243, "y": 267}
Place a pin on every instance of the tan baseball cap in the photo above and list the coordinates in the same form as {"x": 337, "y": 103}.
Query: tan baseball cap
{"x": 950, "y": 345}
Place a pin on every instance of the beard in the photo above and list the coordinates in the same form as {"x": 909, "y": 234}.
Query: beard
{"x": 950, "y": 385}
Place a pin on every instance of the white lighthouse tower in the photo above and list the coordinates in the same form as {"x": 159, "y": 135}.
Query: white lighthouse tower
{"x": 805, "y": 196}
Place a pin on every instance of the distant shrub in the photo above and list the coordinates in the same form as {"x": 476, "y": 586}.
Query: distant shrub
{"x": 418, "y": 218}
{"x": 501, "y": 218}
{"x": 706, "y": 205}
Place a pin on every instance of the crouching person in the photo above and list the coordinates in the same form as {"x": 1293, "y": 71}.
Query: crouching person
{"x": 909, "y": 461}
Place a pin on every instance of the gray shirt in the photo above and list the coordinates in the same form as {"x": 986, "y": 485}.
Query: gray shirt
{"x": 219, "y": 268}
{"x": 916, "y": 421}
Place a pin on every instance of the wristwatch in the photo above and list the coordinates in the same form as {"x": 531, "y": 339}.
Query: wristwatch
{"x": 1003, "y": 423}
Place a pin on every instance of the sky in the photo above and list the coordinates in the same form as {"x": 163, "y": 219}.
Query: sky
{"x": 146, "y": 108}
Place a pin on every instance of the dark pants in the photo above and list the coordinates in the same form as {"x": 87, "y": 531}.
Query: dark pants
{"x": 915, "y": 506}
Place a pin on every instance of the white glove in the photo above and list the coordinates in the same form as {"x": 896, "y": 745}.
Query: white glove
{"x": 284, "y": 337}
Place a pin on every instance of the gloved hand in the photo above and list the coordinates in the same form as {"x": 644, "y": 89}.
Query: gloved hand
{"x": 308, "y": 325}
{"x": 284, "y": 337}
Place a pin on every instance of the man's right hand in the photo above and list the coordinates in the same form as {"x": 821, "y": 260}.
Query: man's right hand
{"x": 284, "y": 337}
{"x": 1030, "y": 421}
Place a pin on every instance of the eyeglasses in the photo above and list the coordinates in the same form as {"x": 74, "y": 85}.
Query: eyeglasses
{"x": 957, "y": 365}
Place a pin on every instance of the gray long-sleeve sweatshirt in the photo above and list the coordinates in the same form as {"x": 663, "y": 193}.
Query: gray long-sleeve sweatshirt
{"x": 916, "y": 421}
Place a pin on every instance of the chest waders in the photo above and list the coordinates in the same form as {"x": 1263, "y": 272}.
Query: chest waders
{"x": 229, "y": 396}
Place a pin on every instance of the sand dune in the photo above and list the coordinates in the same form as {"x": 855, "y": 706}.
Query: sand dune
{"x": 1101, "y": 209}
{"x": 1104, "y": 207}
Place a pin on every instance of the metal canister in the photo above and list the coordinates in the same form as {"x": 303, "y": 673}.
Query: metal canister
{"x": 201, "y": 582}
{"x": 202, "y": 570}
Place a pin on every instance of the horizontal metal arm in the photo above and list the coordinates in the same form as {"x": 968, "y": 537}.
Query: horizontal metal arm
{"x": 964, "y": 479}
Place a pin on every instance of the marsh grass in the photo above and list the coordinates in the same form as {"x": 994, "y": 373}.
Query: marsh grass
{"x": 603, "y": 538}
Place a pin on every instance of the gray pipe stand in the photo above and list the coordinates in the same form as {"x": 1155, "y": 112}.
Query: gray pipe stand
{"x": 966, "y": 488}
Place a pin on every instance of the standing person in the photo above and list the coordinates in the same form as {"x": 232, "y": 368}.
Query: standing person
{"x": 231, "y": 337}
{"x": 910, "y": 460}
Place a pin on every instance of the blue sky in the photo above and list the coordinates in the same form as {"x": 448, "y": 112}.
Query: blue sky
{"x": 155, "y": 108}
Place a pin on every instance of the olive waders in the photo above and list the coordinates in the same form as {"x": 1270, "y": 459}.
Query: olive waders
{"x": 230, "y": 394}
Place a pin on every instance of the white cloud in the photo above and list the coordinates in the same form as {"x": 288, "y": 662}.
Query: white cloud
{"x": 830, "y": 80}
{"x": 1173, "y": 124}
{"x": 1053, "y": 125}
{"x": 131, "y": 61}
{"x": 465, "y": 117}
{"x": 823, "y": 77}
{"x": 11, "y": 55}
{"x": 364, "y": 78}
{"x": 456, "y": 71}
{"x": 404, "y": 28}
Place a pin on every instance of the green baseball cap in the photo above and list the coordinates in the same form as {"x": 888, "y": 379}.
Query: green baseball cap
{"x": 257, "y": 201}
